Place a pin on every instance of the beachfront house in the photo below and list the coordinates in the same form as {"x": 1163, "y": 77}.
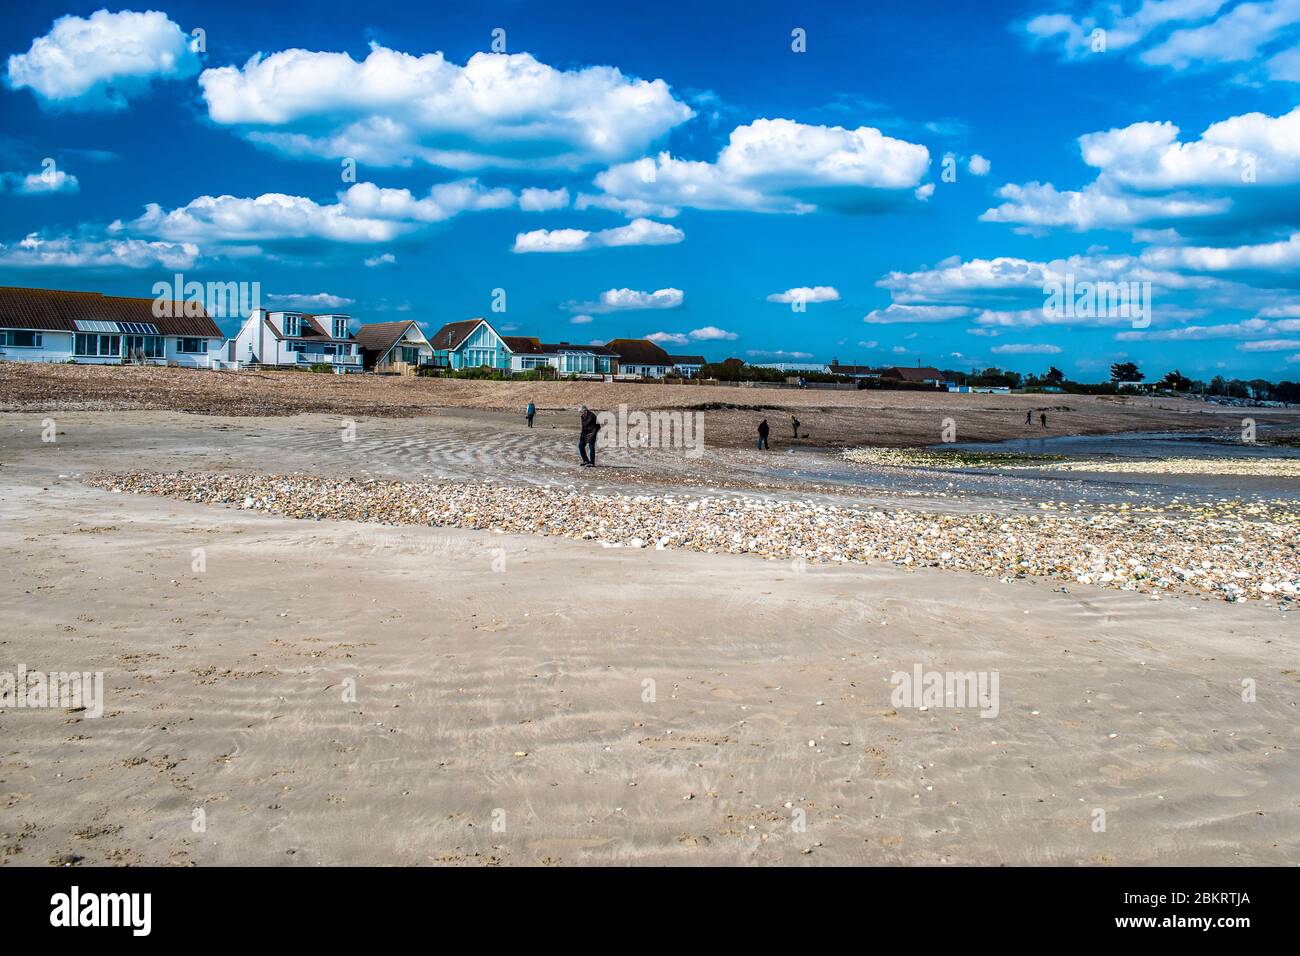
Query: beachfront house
{"x": 919, "y": 375}
{"x": 295, "y": 340}
{"x": 475, "y": 343}
{"x": 393, "y": 346}
{"x": 52, "y": 325}
{"x": 472, "y": 343}
{"x": 853, "y": 371}
{"x": 640, "y": 358}
{"x": 687, "y": 366}
{"x": 582, "y": 360}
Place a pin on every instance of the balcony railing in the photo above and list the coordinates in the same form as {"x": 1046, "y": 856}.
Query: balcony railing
{"x": 323, "y": 358}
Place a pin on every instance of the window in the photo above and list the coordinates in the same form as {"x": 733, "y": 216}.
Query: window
{"x": 340, "y": 328}
{"x": 20, "y": 339}
{"x": 148, "y": 346}
{"x": 97, "y": 346}
{"x": 189, "y": 346}
{"x": 292, "y": 325}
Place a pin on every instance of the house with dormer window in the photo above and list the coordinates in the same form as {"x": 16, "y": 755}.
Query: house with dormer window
{"x": 296, "y": 340}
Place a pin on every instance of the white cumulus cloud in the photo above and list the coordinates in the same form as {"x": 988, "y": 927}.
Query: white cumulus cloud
{"x": 817, "y": 293}
{"x": 311, "y": 301}
{"x": 639, "y": 232}
{"x": 394, "y": 108}
{"x": 627, "y": 300}
{"x": 101, "y": 61}
{"x": 70, "y": 252}
{"x": 770, "y": 165}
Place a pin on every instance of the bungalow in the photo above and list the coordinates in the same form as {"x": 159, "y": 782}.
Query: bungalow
{"x": 52, "y": 325}
{"x": 920, "y": 375}
{"x": 853, "y": 371}
{"x": 687, "y": 366}
{"x": 570, "y": 359}
{"x": 640, "y": 358}
{"x": 393, "y": 346}
{"x": 296, "y": 340}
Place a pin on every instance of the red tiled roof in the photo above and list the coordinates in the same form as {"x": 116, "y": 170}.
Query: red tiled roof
{"x": 57, "y": 310}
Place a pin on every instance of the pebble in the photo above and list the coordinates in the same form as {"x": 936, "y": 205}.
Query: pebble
{"x": 1251, "y": 555}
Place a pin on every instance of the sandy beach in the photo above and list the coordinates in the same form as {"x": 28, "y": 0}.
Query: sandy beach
{"x": 301, "y": 691}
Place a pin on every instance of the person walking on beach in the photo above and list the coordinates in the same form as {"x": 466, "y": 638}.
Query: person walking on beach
{"x": 587, "y": 437}
{"x": 794, "y": 422}
{"x": 762, "y": 435}
{"x": 1029, "y": 417}
{"x": 1043, "y": 418}
{"x": 529, "y": 413}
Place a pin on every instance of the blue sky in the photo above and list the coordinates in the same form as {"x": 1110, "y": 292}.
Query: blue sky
{"x": 680, "y": 171}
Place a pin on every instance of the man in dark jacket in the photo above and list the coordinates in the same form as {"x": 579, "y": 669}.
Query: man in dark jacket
{"x": 529, "y": 413}
{"x": 587, "y": 437}
{"x": 762, "y": 435}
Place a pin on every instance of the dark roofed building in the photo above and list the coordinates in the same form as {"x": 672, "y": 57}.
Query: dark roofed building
{"x": 918, "y": 375}
{"x": 54, "y": 325}
{"x": 385, "y": 346}
{"x": 640, "y": 357}
{"x": 452, "y": 334}
{"x": 854, "y": 371}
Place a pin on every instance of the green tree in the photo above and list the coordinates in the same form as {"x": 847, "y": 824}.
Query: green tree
{"x": 1125, "y": 372}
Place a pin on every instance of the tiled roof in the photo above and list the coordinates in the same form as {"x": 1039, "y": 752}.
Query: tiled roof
{"x": 378, "y": 338}
{"x": 453, "y": 333}
{"x": 688, "y": 360}
{"x": 910, "y": 374}
{"x": 56, "y": 310}
{"x": 638, "y": 352}
{"x": 523, "y": 345}
{"x": 313, "y": 328}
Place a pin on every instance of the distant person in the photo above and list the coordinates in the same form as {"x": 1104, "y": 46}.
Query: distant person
{"x": 762, "y": 435}
{"x": 587, "y": 437}
{"x": 794, "y": 422}
{"x": 1029, "y": 418}
{"x": 529, "y": 413}
{"x": 1043, "y": 418}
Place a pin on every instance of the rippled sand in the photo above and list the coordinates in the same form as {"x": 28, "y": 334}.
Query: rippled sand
{"x": 344, "y": 692}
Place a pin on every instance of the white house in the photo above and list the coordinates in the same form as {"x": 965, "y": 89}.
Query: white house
{"x": 640, "y": 357}
{"x": 53, "y": 325}
{"x": 296, "y": 340}
{"x": 687, "y": 366}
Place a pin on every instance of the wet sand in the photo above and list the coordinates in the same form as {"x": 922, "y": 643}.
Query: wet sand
{"x": 502, "y": 712}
